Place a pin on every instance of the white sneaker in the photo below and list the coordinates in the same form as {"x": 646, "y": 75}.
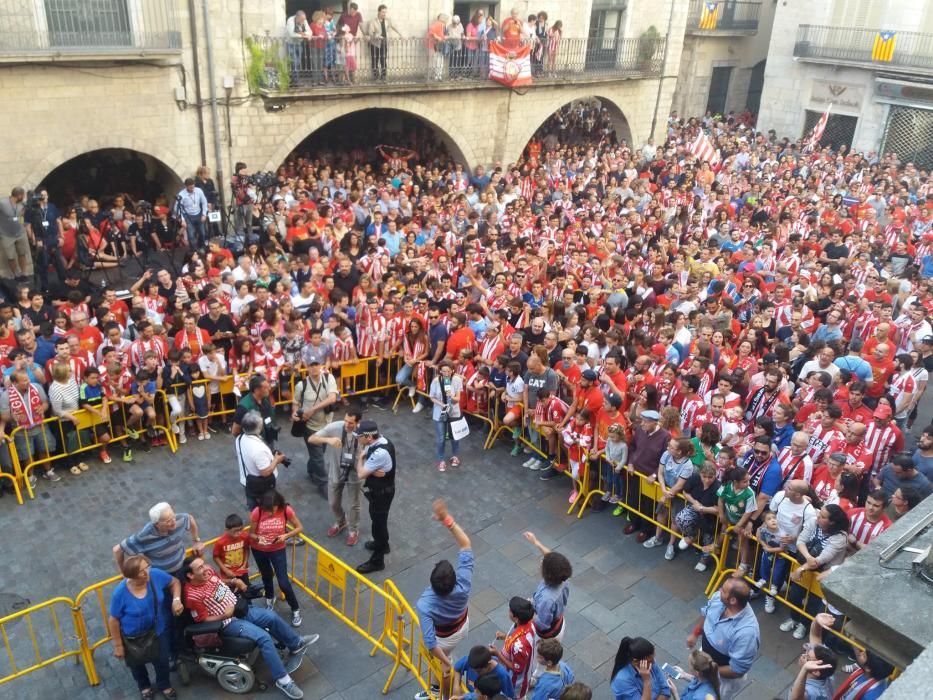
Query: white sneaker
{"x": 769, "y": 604}
{"x": 651, "y": 543}
{"x": 419, "y": 407}
{"x": 760, "y": 583}
{"x": 800, "y": 631}
{"x": 411, "y": 392}
{"x": 182, "y": 438}
{"x": 296, "y": 618}
{"x": 528, "y": 463}
{"x": 200, "y": 436}
{"x": 175, "y": 428}
{"x": 270, "y": 603}
{"x": 537, "y": 465}
{"x": 207, "y": 436}
{"x": 290, "y": 689}
{"x": 669, "y": 552}
{"x": 787, "y": 625}
{"x": 683, "y": 545}
{"x": 701, "y": 566}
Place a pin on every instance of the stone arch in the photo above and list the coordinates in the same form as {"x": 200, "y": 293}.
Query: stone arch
{"x": 522, "y": 135}
{"x": 456, "y": 142}
{"x": 177, "y": 167}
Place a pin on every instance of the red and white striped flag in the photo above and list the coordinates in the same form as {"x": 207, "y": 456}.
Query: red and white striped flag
{"x": 511, "y": 67}
{"x": 814, "y": 139}
{"x": 703, "y": 149}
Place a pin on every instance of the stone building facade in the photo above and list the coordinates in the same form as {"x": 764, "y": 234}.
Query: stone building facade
{"x": 152, "y": 96}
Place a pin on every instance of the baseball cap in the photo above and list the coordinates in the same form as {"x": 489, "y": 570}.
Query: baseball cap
{"x": 651, "y": 415}
{"x": 213, "y": 272}
{"x": 882, "y": 411}
{"x": 658, "y": 349}
{"x": 928, "y": 340}
{"x": 367, "y": 427}
{"x": 589, "y": 375}
{"x": 313, "y": 361}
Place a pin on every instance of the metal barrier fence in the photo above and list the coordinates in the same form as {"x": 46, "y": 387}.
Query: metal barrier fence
{"x": 804, "y": 604}
{"x": 409, "y": 61}
{"x": 48, "y": 441}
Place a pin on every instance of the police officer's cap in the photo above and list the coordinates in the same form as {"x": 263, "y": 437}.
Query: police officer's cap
{"x": 367, "y": 427}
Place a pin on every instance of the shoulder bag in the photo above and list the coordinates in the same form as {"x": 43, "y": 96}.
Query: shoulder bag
{"x": 256, "y": 486}
{"x": 144, "y": 648}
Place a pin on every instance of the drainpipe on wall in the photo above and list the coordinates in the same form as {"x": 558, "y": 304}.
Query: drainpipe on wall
{"x": 667, "y": 47}
{"x": 196, "y": 64}
{"x": 215, "y": 119}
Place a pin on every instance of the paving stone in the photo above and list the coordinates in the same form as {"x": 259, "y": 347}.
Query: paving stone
{"x": 595, "y": 649}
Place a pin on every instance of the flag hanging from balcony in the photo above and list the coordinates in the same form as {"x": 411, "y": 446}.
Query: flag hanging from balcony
{"x": 510, "y": 66}
{"x": 702, "y": 149}
{"x": 883, "y": 48}
{"x": 709, "y": 15}
{"x": 814, "y": 139}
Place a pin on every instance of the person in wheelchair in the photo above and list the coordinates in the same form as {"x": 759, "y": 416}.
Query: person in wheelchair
{"x": 211, "y": 599}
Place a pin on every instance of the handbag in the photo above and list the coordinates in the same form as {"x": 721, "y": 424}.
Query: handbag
{"x": 459, "y": 428}
{"x": 256, "y": 486}
{"x": 143, "y": 648}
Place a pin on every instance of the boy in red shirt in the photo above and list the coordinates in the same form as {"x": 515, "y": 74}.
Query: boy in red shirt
{"x": 231, "y": 550}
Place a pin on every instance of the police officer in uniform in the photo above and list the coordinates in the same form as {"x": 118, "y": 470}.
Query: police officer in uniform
{"x": 376, "y": 467}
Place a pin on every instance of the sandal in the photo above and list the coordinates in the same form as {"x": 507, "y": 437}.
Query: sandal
{"x": 75, "y": 470}
{"x": 83, "y": 467}
{"x": 146, "y": 694}
{"x": 170, "y": 694}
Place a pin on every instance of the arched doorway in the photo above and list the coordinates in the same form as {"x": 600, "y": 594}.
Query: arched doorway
{"x": 104, "y": 173}
{"x": 578, "y": 120}
{"x": 371, "y": 136}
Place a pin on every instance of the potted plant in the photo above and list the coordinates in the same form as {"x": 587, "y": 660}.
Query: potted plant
{"x": 266, "y": 68}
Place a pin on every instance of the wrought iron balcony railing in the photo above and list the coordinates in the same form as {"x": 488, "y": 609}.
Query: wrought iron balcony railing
{"x": 906, "y": 51}
{"x": 723, "y": 17}
{"x": 85, "y": 28}
{"x": 280, "y": 65}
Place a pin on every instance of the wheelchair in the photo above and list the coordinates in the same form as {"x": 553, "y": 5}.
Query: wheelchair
{"x": 230, "y": 660}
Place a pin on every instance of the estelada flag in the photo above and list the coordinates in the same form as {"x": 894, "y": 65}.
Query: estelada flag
{"x": 510, "y": 67}
{"x": 709, "y": 16}
{"x": 883, "y": 47}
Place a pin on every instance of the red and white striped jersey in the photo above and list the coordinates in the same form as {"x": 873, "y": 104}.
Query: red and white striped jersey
{"x": 370, "y": 335}
{"x": 141, "y": 346}
{"x": 344, "y": 350}
{"x": 864, "y": 531}
{"x": 822, "y": 440}
{"x": 882, "y": 442}
{"x": 268, "y": 360}
{"x": 901, "y": 384}
{"x": 795, "y": 466}
{"x": 691, "y": 414}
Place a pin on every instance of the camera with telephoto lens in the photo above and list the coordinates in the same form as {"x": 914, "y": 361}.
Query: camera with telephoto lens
{"x": 286, "y": 461}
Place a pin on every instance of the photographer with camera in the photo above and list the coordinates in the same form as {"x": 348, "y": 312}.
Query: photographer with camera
{"x": 258, "y": 400}
{"x": 340, "y": 452}
{"x": 257, "y": 462}
{"x": 445, "y": 392}
{"x": 312, "y": 410}
{"x": 44, "y": 228}
{"x": 17, "y": 261}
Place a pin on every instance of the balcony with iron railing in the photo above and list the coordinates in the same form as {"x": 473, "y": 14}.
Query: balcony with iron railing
{"x": 278, "y": 66}
{"x": 723, "y": 18}
{"x": 900, "y": 52}
{"x": 36, "y": 30}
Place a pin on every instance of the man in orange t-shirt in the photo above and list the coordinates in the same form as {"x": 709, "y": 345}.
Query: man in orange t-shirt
{"x": 461, "y": 336}
{"x": 89, "y": 338}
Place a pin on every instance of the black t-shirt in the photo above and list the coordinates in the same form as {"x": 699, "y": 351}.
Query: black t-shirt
{"x": 223, "y": 323}
{"x": 348, "y": 283}
{"x": 167, "y": 293}
{"x": 60, "y": 290}
{"x": 532, "y": 339}
{"x": 834, "y": 252}
{"x": 706, "y": 496}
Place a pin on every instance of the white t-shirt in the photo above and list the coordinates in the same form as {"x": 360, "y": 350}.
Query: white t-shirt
{"x": 255, "y": 454}
{"x": 791, "y": 516}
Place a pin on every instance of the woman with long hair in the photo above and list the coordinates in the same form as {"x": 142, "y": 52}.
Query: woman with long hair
{"x": 272, "y": 524}
{"x": 635, "y": 675}
{"x": 703, "y": 676}
{"x": 415, "y": 349}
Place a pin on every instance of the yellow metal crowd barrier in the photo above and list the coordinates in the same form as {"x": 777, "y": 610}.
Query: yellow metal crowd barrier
{"x": 809, "y": 581}
{"x": 48, "y": 441}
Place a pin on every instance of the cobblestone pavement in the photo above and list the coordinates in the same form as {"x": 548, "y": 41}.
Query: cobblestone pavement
{"x": 61, "y": 542}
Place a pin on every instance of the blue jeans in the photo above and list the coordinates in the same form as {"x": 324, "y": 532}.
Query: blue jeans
{"x": 441, "y": 436}
{"x": 612, "y": 482}
{"x": 197, "y": 233}
{"x": 296, "y": 52}
{"x": 254, "y": 626}
{"x": 141, "y": 672}
{"x": 403, "y": 376}
{"x": 277, "y": 562}
{"x": 780, "y": 566}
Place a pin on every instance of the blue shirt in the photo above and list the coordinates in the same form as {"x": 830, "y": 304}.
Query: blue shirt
{"x": 782, "y": 436}
{"x": 192, "y": 203}
{"x": 737, "y": 637}
{"x": 627, "y": 684}
{"x": 551, "y": 683}
{"x": 378, "y": 459}
{"x": 478, "y": 327}
{"x": 136, "y": 614}
{"x": 45, "y": 351}
{"x": 167, "y": 552}
{"x": 697, "y": 689}
{"x": 437, "y": 333}
{"x": 856, "y": 365}
{"x": 444, "y": 610}
{"x": 393, "y": 242}
{"x": 549, "y": 604}
{"x": 469, "y": 676}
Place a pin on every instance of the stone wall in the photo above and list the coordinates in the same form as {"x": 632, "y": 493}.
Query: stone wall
{"x": 55, "y": 111}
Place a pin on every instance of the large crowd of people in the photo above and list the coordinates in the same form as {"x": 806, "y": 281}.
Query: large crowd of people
{"x": 752, "y": 334}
